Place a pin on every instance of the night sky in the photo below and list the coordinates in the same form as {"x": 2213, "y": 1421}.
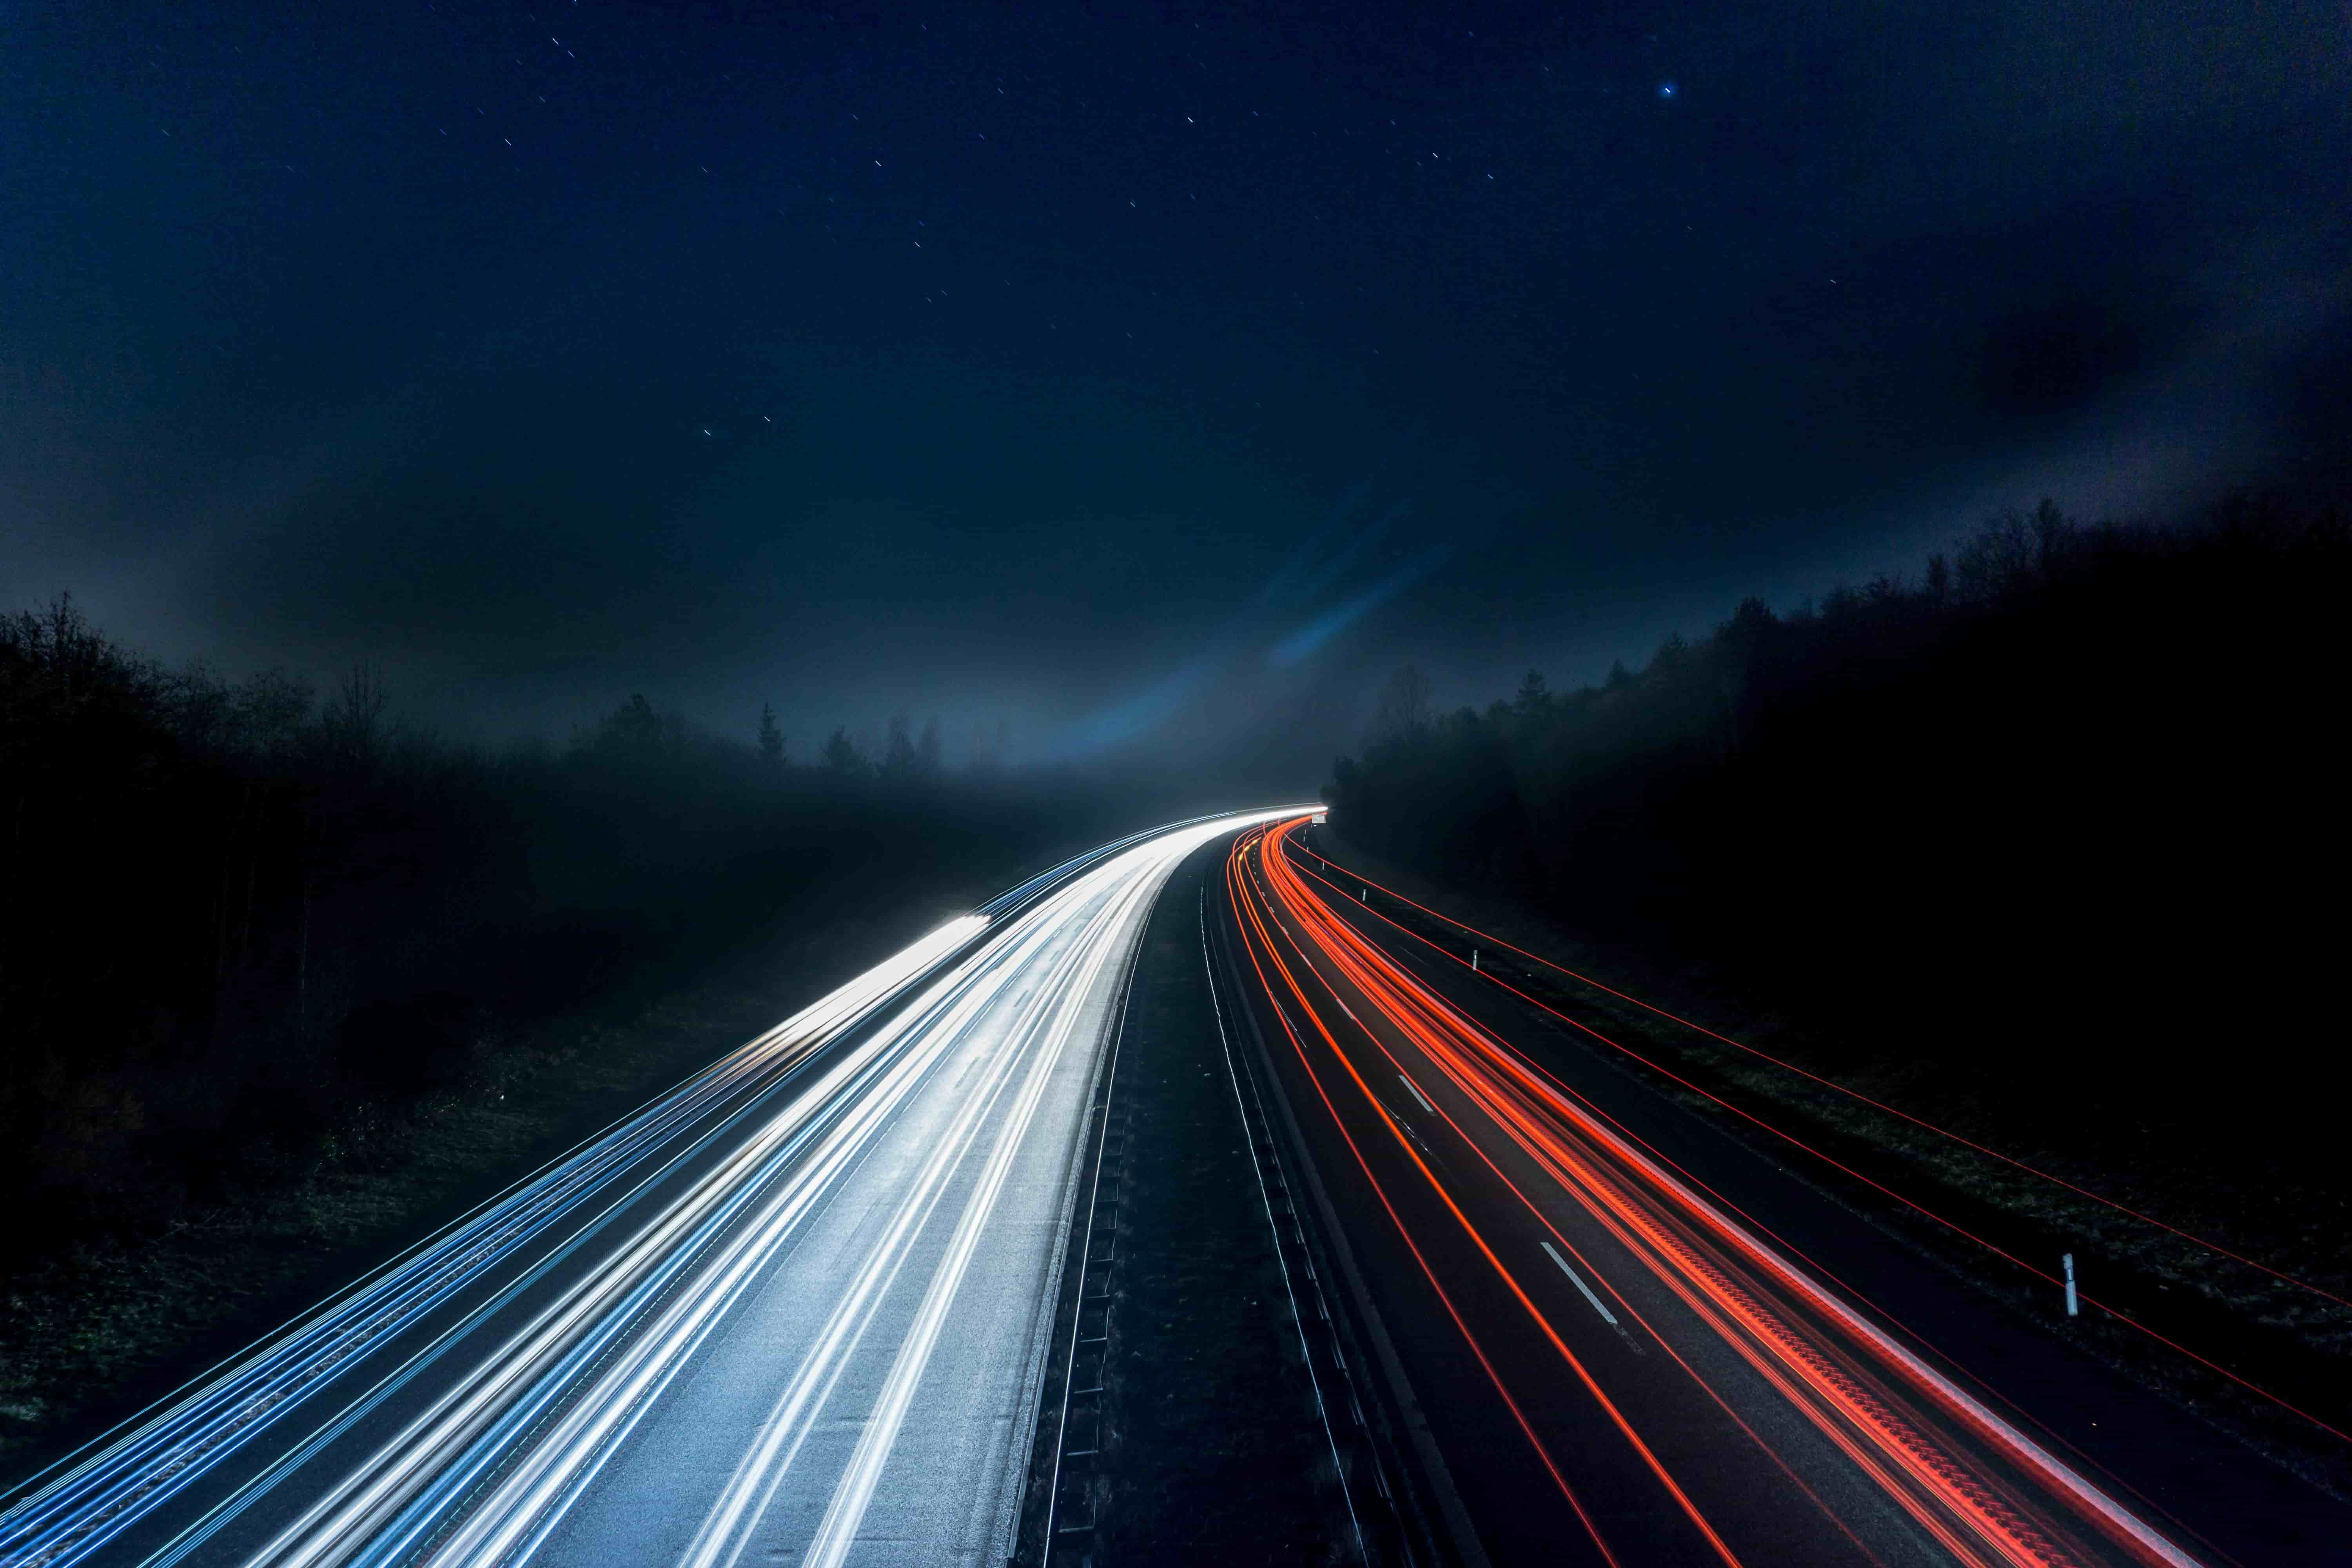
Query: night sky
{"x": 1153, "y": 378}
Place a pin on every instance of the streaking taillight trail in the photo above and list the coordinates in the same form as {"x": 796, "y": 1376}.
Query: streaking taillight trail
{"x": 1965, "y": 1477}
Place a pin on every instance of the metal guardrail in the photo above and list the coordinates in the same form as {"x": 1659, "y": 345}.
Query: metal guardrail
{"x": 1089, "y": 1352}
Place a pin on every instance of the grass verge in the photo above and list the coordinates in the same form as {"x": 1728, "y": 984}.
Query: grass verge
{"x": 2275, "y": 1334}
{"x": 97, "y": 1329}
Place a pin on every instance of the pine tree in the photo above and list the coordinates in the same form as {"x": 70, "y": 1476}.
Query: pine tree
{"x": 841, "y": 754}
{"x": 898, "y": 751}
{"x": 772, "y": 737}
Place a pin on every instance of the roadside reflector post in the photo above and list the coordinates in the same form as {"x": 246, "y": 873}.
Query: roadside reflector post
{"x": 2072, "y": 1310}
{"x": 1474, "y": 960}
{"x": 1365, "y": 897}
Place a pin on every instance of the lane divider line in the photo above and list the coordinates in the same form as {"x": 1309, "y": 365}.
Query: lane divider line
{"x": 1578, "y": 1280}
{"x": 2213, "y": 1247}
{"x": 1414, "y": 1089}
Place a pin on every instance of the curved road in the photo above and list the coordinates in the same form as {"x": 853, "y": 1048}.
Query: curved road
{"x": 1634, "y": 1342}
{"x": 793, "y": 1310}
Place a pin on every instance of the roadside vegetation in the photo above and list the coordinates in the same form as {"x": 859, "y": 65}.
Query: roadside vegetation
{"x": 2043, "y": 848}
{"x": 2056, "y": 833}
{"x": 283, "y": 980}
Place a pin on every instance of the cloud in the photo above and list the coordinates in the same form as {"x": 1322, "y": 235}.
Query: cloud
{"x": 1299, "y": 644}
{"x": 1280, "y": 586}
{"x": 1353, "y": 548}
{"x": 1109, "y": 727}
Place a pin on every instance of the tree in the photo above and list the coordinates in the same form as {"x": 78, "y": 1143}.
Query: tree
{"x": 898, "y": 751}
{"x": 1533, "y": 694}
{"x": 841, "y": 754}
{"x": 632, "y": 730}
{"x": 987, "y": 748}
{"x": 352, "y": 719}
{"x": 772, "y": 737}
{"x": 1996, "y": 561}
{"x": 2052, "y": 533}
{"x": 1403, "y": 708}
{"x": 1750, "y": 625}
{"x": 927, "y": 748}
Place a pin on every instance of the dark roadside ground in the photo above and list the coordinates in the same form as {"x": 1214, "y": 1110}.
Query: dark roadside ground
{"x": 1213, "y": 1451}
{"x": 92, "y": 1334}
{"x": 2272, "y": 1334}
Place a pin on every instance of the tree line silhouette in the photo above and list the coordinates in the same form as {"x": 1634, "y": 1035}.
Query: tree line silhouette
{"x": 229, "y": 909}
{"x": 2056, "y": 830}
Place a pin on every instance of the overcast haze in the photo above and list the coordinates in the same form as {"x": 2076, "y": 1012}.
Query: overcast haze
{"x": 1139, "y": 376}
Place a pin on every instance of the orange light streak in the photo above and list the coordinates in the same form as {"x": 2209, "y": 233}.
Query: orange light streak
{"x": 1833, "y": 1387}
{"x": 2213, "y": 1247}
{"x": 1632, "y": 1311}
{"x": 1998, "y": 1251}
{"x": 1930, "y": 1518}
{"x": 1510, "y": 1280}
{"x": 1518, "y": 1415}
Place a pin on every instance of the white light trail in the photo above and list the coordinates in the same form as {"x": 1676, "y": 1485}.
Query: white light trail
{"x": 460, "y": 1407}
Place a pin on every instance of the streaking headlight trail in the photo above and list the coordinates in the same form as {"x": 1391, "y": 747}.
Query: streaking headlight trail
{"x": 797, "y": 1300}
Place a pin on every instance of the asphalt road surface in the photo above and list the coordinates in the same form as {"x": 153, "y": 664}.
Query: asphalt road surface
{"x": 1634, "y": 1341}
{"x": 794, "y": 1311}
{"x": 798, "y": 1310}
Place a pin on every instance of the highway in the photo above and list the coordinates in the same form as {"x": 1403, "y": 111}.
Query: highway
{"x": 799, "y": 1308}
{"x": 1636, "y": 1342}
{"x": 795, "y": 1309}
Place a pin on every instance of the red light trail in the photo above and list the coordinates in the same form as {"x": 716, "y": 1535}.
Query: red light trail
{"x": 2214, "y": 1246}
{"x": 1719, "y": 1296}
{"x": 1491, "y": 978}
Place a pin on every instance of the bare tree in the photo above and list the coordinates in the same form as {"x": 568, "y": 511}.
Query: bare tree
{"x": 988, "y": 745}
{"x": 352, "y": 718}
{"x": 772, "y": 737}
{"x": 1403, "y": 708}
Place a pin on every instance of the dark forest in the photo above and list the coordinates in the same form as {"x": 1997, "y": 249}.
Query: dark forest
{"x": 2041, "y": 834}
{"x": 241, "y": 923}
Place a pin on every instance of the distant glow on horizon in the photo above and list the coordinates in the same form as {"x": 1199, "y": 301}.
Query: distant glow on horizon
{"x": 1332, "y": 622}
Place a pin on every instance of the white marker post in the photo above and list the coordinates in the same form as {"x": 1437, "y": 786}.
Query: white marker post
{"x": 1365, "y": 897}
{"x": 1474, "y": 960}
{"x": 2072, "y": 1310}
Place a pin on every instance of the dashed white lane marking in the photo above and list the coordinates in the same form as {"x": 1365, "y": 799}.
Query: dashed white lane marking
{"x": 1578, "y": 1280}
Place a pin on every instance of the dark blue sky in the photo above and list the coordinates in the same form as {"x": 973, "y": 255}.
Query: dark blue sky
{"x": 1145, "y": 375}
